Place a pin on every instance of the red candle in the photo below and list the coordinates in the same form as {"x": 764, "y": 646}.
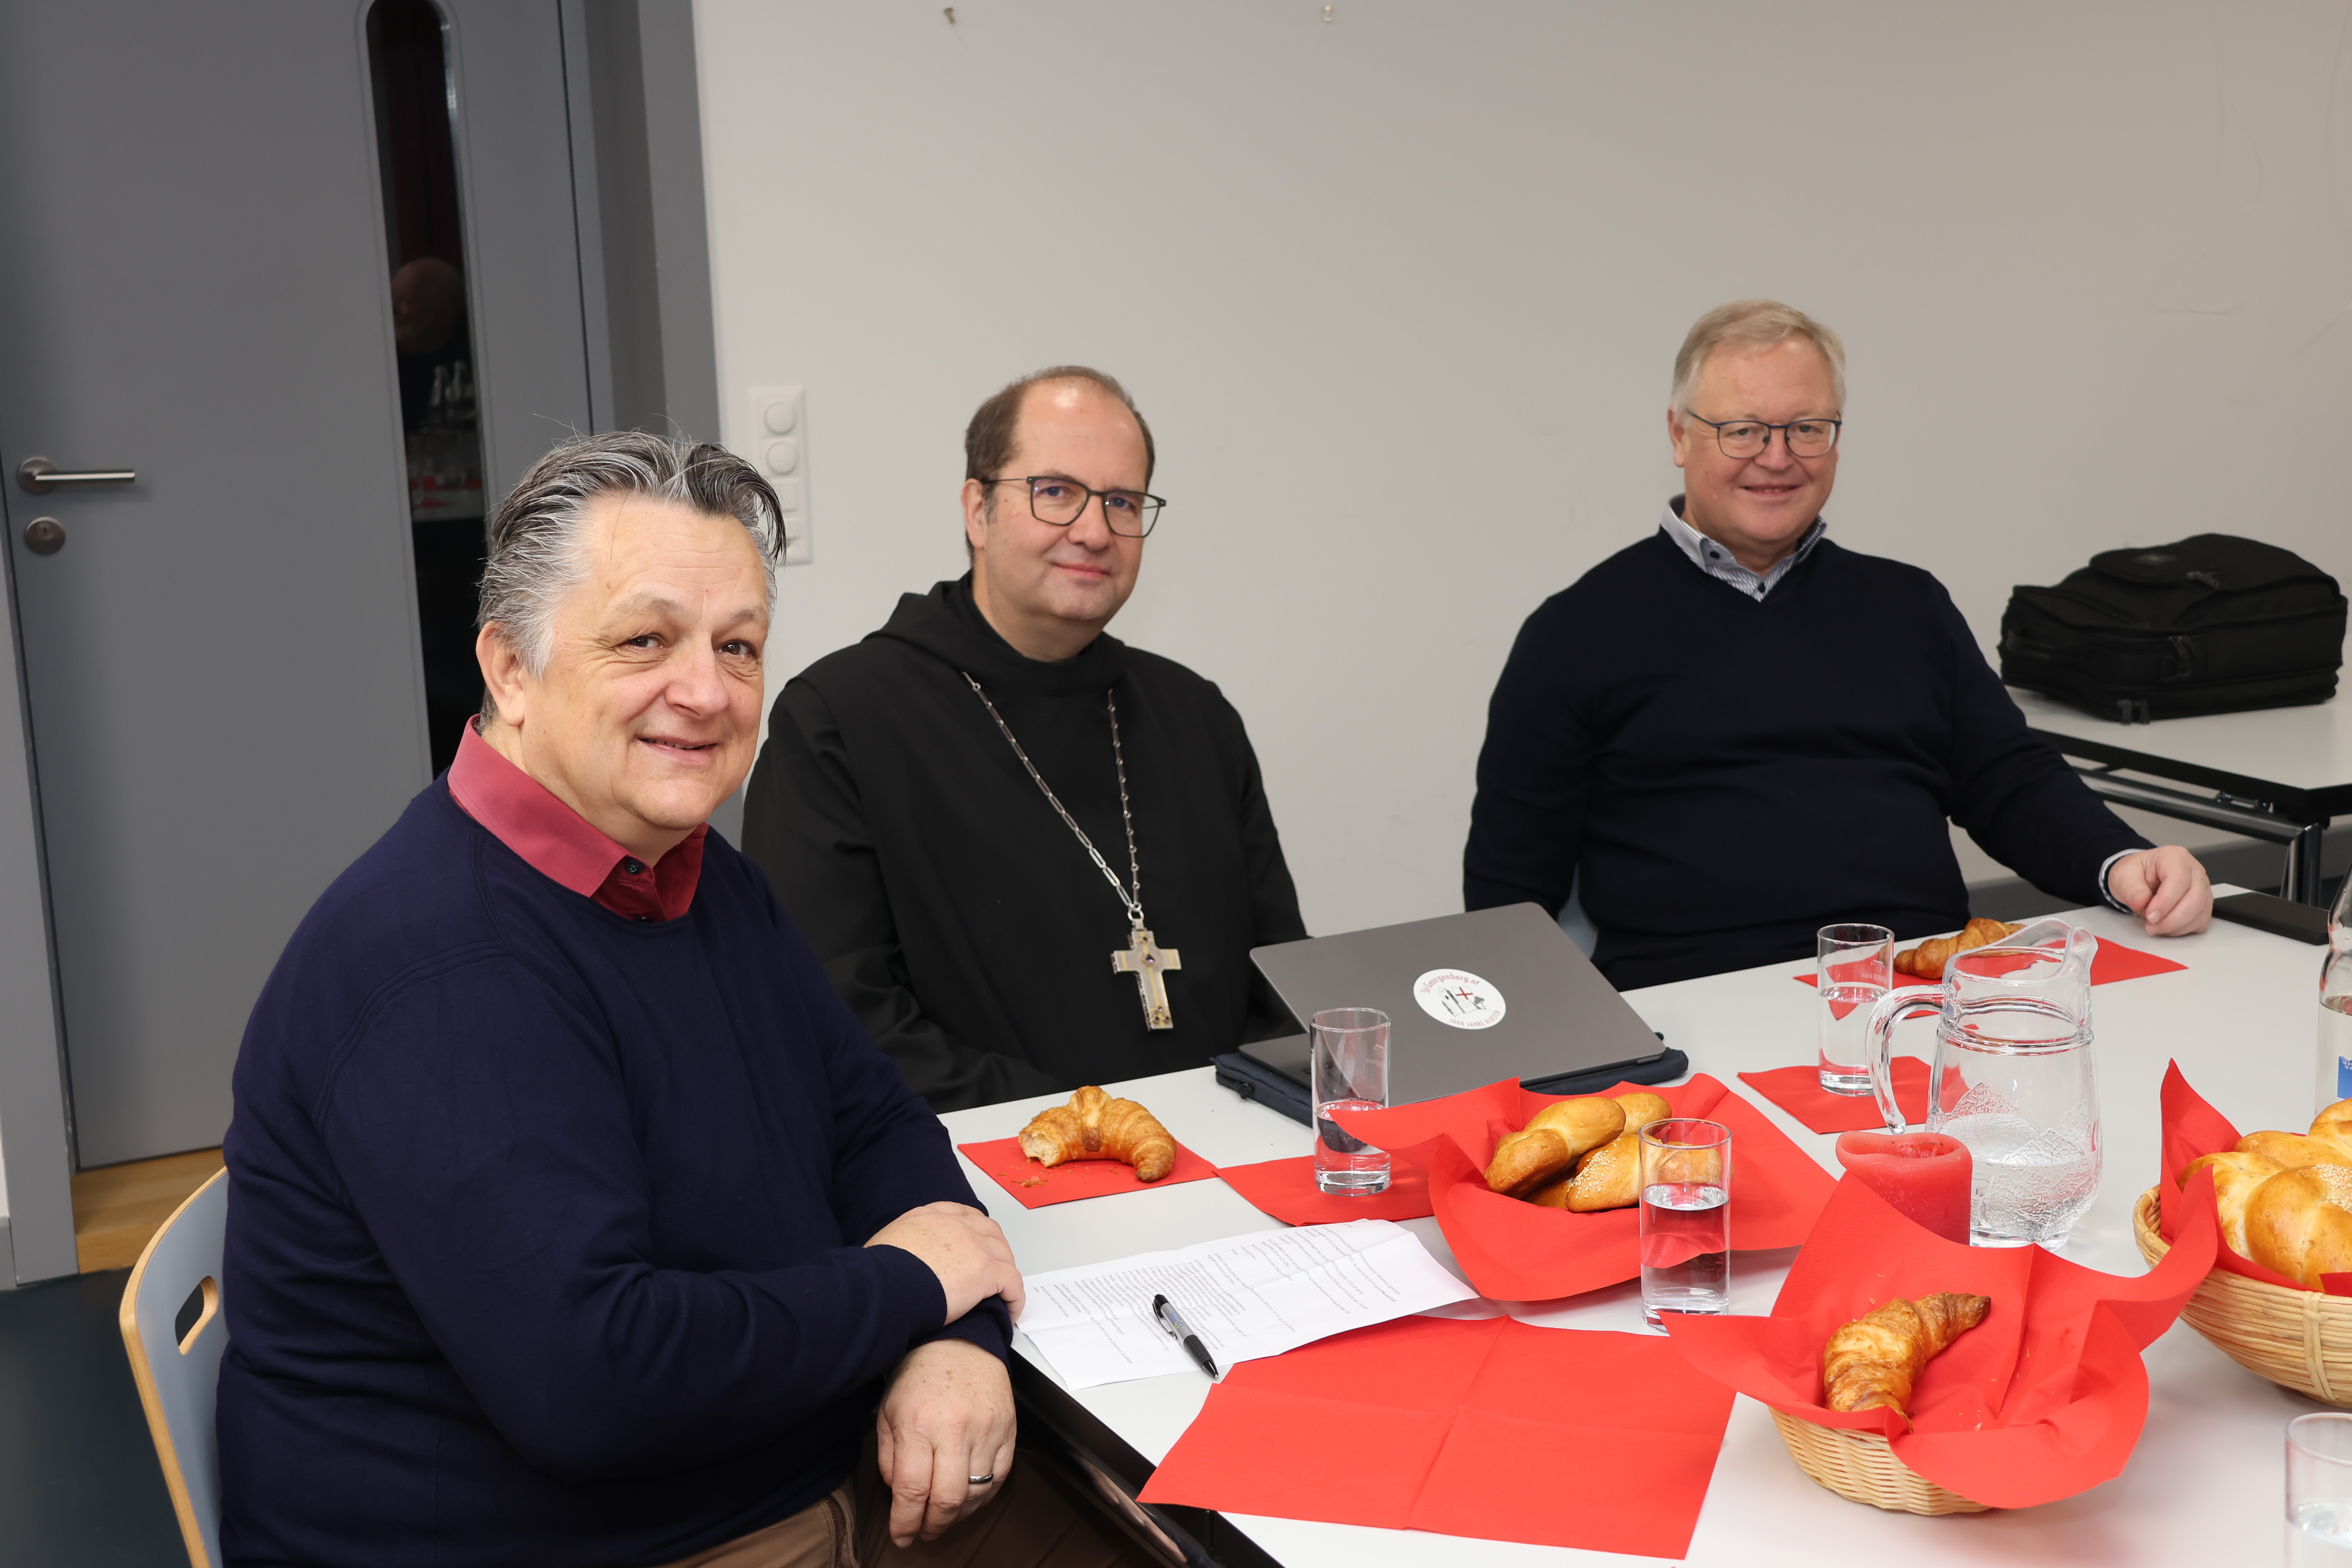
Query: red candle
{"x": 1925, "y": 1175}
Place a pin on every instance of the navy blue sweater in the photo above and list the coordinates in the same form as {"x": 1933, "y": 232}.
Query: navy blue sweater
{"x": 544, "y": 1227}
{"x": 1730, "y": 775}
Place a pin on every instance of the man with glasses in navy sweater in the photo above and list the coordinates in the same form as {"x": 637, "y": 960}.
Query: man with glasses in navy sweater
{"x": 572, "y": 1217}
{"x": 1735, "y": 733}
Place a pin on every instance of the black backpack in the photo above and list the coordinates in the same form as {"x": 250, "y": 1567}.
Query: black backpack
{"x": 2214, "y": 624}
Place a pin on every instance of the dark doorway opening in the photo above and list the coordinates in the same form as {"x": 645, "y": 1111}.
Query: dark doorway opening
{"x": 416, "y": 97}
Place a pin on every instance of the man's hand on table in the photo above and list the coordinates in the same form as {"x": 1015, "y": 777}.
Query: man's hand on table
{"x": 2166, "y": 887}
{"x": 947, "y": 1419}
{"x": 965, "y": 1249}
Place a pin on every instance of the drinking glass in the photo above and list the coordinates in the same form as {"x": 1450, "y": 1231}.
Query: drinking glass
{"x": 1686, "y": 1217}
{"x": 2013, "y": 1077}
{"x": 2319, "y": 1489}
{"x": 1349, "y": 1050}
{"x": 1855, "y": 966}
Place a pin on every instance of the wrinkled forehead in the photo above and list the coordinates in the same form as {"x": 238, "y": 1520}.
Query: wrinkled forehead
{"x": 1793, "y": 368}
{"x": 640, "y": 552}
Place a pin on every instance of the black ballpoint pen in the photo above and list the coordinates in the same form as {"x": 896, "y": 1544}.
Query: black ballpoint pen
{"x": 1169, "y": 1319}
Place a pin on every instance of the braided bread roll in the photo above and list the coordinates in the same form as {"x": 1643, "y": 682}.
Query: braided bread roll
{"x": 2299, "y": 1222}
{"x": 1552, "y": 1143}
{"x": 1925, "y": 962}
{"x": 1094, "y": 1126}
{"x": 1609, "y": 1178}
{"x": 1874, "y": 1361}
{"x": 2236, "y": 1174}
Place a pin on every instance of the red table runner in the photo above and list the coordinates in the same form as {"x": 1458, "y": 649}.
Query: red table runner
{"x": 1494, "y": 1429}
{"x": 1285, "y": 1189}
{"x": 1035, "y": 1186}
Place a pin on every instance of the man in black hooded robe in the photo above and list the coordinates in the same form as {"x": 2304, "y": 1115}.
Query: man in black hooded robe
{"x": 955, "y": 895}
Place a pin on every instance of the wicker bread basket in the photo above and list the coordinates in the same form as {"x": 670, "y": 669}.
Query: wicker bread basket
{"x": 2299, "y": 1339}
{"x": 1861, "y": 1466}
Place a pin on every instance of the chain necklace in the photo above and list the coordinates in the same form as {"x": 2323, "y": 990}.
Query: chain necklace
{"x": 1141, "y": 957}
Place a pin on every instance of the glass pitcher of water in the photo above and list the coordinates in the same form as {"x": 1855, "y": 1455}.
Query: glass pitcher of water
{"x": 2012, "y": 1077}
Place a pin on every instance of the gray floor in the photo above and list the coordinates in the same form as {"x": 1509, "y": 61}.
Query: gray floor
{"x": 78, "y": 1482}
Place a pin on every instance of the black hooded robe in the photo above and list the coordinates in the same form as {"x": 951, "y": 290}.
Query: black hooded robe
{"x": 957, "y": 912}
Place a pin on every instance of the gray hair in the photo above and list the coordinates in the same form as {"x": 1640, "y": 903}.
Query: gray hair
{"x": 1747, "y": 325}
{"x": 535, "y": 555}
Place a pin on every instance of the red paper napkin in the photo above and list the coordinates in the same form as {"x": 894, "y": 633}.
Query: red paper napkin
{"x": 2113, "y": 961}
{"x": 1492, "y": 1429}
{"x": 1799, "y": 1091}
{"x": 2042, "y": 1400}
{"x": 1285, "y": 1189}
{"x": 1035, "y": 1186}
{"x": 2192, "y": 1127}
{"x": 1514, "y": 1251}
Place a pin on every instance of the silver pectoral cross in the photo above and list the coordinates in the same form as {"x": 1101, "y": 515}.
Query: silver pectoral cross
{"x": 1145, "y": 959}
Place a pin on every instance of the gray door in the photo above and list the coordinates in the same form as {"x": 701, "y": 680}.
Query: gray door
{"x": 221, "y": 659}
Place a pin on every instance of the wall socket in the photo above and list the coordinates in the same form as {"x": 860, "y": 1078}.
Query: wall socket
{"x": 779, "y": 446}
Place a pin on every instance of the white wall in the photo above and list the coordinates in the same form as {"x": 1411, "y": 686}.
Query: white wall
{"x": 1400, "y": 293}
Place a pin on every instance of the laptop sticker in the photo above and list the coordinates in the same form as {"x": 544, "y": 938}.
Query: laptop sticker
{"x": 1458, "y": 997}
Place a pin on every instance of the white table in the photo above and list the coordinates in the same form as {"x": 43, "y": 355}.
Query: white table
{"x": 2278, "y": 772}
{"x": 2203, "y": 1487}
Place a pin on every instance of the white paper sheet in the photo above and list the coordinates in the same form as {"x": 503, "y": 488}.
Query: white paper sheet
{"x": 1246, "y": 1295}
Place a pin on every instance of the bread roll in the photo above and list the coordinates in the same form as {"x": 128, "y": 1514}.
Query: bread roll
{"x": 1608, "y": 1178}
{"x": 2235, "y": 1177}
{"x": 1641, "y": 1108}
{"x": 2289, "y": 1151}
{"x": 1552, "y": 1143}
{"x": 2299, "y": 1222}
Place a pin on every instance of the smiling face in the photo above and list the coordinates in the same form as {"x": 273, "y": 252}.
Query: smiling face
{"x": 1757, "y": 507}
{"x": 1049, "y": 590}
{"x": 647, "y": 713}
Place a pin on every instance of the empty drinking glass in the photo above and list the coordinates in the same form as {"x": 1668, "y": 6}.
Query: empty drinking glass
{"x": 1349, "y": 1050}
{"x": 1686, "y": 1217}
{"x": 2319, "y": 1490}
{"x": 1855, "y": 966}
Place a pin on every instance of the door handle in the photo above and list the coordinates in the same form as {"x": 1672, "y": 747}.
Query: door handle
{"x": 40, "y": 476}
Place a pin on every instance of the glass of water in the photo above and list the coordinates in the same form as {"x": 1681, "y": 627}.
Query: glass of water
{"x": 1855, "y": 966}
{"x": 1686, "y": 1217}
{"x": 2319, "y": 1490}
{"x": 1350, "y": 1048}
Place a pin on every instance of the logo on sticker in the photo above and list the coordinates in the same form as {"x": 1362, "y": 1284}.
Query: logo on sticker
{"x": 1458, "y": 997}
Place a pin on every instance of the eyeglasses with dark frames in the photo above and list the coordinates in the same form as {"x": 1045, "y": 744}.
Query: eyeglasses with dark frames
{"x": 1061, "y": 502}
{"x": 1748, "y": 437}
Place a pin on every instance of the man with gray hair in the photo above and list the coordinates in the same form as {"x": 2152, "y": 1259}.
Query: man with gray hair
{"x": 1684, "y": 743}
{"x": 572, "y": 1217}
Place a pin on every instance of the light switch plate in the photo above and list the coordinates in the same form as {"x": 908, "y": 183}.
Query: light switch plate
{"x": 776, "y": 430}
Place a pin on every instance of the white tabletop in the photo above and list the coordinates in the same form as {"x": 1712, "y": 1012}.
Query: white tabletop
{"x": 2307, "y": 748}
{"x": 2203, "y": 1486}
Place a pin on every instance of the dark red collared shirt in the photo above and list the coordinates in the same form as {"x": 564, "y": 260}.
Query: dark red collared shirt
{"x": 559, "y": 844}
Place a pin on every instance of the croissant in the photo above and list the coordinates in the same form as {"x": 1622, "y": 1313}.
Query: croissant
{"x": 2235, "y": 1176}
{"x": 2299, "y": 1222}
{"x": 1608, "y": 1177}
{"x": 1873, "y": 1363}
{"x": 1552, "y": 1143}
{"x": 1094, "y": 1126}
{"x": 1925, "y": 962}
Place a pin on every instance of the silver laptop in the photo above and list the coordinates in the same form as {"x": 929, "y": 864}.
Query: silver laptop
{"x": 1471, "y": 999}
